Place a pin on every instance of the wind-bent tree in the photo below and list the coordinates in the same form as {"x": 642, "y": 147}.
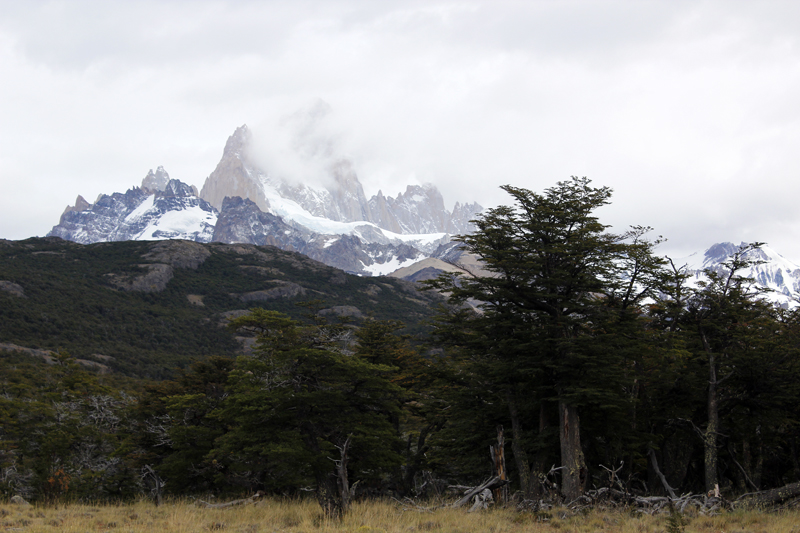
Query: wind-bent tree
{"x": 556, "y": 276}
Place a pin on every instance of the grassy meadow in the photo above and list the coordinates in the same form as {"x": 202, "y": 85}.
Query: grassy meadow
{"x": 274, "y": 515}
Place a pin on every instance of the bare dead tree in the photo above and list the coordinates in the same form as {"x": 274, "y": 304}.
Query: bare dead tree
{"x": 158, "y": 483}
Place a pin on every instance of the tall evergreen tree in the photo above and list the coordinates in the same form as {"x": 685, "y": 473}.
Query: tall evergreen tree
{"x": 556, "y": 271}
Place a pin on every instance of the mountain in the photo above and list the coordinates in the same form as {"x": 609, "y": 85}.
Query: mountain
{"x": 161, "y": 209}
{"x": 241, "y": 221}
{"x": 144, "y": 307}
{"x": 242, "y": 203}
{"x": 773, "y": 272}
{"x": 418, "y": 210}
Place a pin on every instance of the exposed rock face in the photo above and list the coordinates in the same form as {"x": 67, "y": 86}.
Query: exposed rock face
{"x": 140, "y": 214}
{"x": 80, "y": 205}
{"x": 284, "y": 290}
{"x": 460, "y": 219}
{"x": 12, "y": 288}
{"x": 18, "y": 500}
{"x": 420, "y": 210}
{"x": 195, "y": 299}
{"x": 348, "y": 195}
{"x": 382, "y": 214}
{"x": 342, "y": 310}
{"x": 241, "y": 221}
{"x": 155, "y": 279}
{"x": 164, "y": 257}
{"x": 181, "y": 254}
{"x": 49, "y": 357}
{"x": 155, "y": 181}
{"x": 231, "y": 177}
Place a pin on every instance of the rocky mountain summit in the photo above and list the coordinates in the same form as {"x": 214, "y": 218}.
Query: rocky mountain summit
{"x": 418, "y": 210}
{"x": 161, "y": 208}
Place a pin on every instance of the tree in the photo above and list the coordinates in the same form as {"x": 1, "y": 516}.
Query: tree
{"x": 178, "y": 429}
{"x": 735, "y": 327}
{"x": 555, "y": 276}
{"x": 415, "y": 382}
{"x": 306, "y": 408}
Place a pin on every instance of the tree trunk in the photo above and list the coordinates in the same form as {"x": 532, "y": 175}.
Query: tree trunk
{"x": 341, "y": 475}
{"x": 574, "y": 474}
{"x": 773, "y": 496}
{"x": 759, "y": 466}
{"x": 654, "y": 463}
{"x": 498, "y": 454}
{"x": 244, "y": 501}
{"x": 488, "y": 484}
{"x": 520, "y": 457}
{"x": 538, "y": 472}
{"x": 158, "y": 483}
{"x": 712, "y": 429}
{"x": 415, "y": 459}
{"x": 328, "y": 495}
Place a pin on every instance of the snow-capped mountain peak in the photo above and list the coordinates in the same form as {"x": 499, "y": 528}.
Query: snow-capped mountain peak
{"x": 174, "y": 212}
{"x": 419, "y": 210}
{"x": 772, "y": 270}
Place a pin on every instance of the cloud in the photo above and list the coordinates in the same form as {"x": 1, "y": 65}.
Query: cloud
{"x": 687, "y": 109}
{"x": 298, "y": 147}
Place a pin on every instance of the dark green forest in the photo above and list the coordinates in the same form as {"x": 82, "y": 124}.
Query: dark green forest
{"x": 587, "y": 348}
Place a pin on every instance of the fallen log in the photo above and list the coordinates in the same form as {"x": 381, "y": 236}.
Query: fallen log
{"x": 492, "y": 483}
{"x": 244, "y": 501}
{"x": 482, "y": 500}
{"x": 772, "y": 496}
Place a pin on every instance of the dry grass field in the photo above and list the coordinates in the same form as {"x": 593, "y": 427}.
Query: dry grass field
{"x": 371, "y": 517}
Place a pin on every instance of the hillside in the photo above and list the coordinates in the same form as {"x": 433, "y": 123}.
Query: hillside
{"x": 144, "y": 308}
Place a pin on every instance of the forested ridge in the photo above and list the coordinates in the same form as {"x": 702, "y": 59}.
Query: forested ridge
{"x": 584, "y": 345}
{"x": 149, "y": 307}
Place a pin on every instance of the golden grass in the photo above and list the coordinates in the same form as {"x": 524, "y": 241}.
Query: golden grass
{"x": 276, "y": 515}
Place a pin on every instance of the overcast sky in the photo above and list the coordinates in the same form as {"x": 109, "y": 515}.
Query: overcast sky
{"x": 690, "y": 111}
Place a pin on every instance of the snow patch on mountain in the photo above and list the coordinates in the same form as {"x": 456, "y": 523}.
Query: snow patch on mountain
{"x": 295, "y": 214}
{"x": 391, "y": 265}
{"x": 141, "y": 211}
{"x": 191, "y": 223}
